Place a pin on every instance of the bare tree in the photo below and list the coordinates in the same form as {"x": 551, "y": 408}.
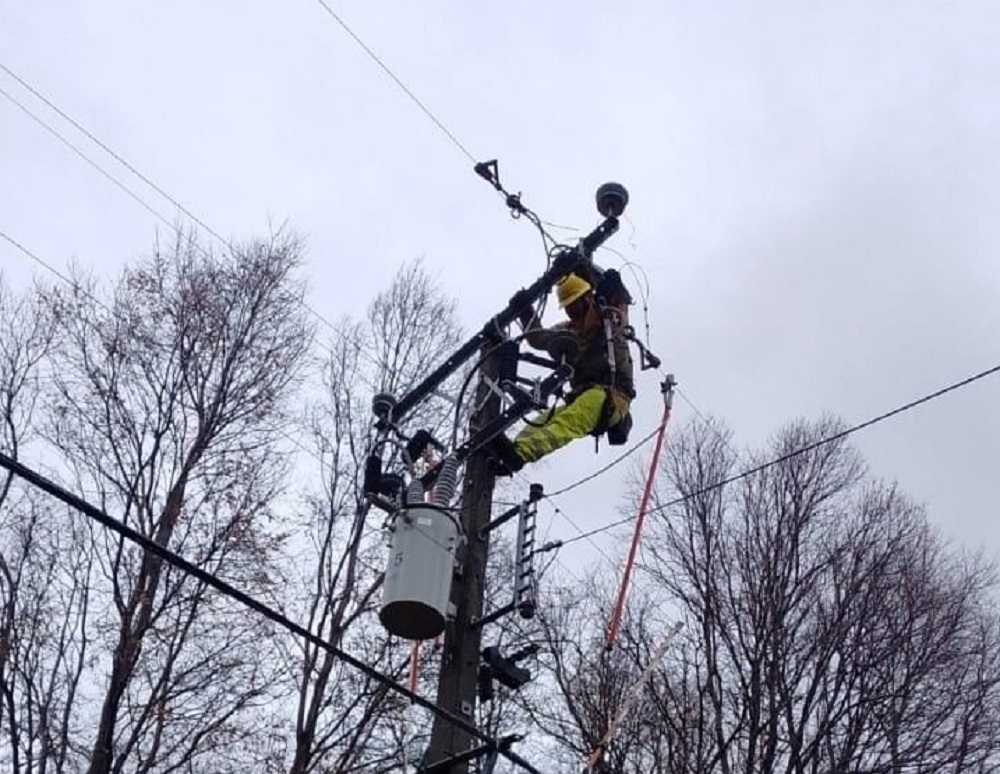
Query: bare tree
{"x": 830, "y": 629}
{"x": 826, "y": 627}
{"x": 582, "y": 685}
{"x": 344, "y": 720}
{"x": 168, "y": 404}
{"x": 39, "y": 612}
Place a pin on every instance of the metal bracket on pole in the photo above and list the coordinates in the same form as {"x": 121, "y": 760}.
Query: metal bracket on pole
{"x": 496, "y": 615}
{"x": 495, "y": 388}
{"x": 511, "y": 414}
{"x": 491, "y": 752}
{"x": 502, "y": 519}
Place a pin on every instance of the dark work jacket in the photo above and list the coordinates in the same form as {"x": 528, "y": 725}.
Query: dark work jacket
{"x": 590, "y": 367}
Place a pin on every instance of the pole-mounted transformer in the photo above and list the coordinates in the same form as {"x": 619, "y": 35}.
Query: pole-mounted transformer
{"x": 416, "y": 594}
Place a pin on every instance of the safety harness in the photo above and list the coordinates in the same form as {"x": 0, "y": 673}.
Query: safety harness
{"x": 618, "y": 433}
{"x": 612, "y": 300}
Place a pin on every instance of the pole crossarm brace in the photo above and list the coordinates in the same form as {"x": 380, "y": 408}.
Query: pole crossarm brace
{"x": 512, "y": 413}
{"x": 496, "y": 615}
{"x": 444, "y": 766}
{"x": 503, "y": 518}
{"x": 563, "y": 263}
{"x": 81, "y": 505}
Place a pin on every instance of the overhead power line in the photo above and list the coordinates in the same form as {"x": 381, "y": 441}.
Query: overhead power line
{"x": 409, "y": 92}
{"x": 120, "y": 185}
{"x": 111, "y": 178}
{"x": 361, "y": 351}
{"x": 92, "y": 512}
{"x": 623, "y": 456}
{"x": 111, "y": 152}
{"x": 44, "y": 264}
{"x": 796, "y": 452}
{"x": 602, "y": 470}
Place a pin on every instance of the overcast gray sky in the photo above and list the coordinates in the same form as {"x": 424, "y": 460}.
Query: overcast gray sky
{"x": 813, "y": 185}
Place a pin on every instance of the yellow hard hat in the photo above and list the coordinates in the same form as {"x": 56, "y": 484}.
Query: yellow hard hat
{"x": 570, "y": 289}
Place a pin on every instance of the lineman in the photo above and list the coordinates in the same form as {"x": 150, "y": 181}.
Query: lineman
{"x": 602, "y": 386}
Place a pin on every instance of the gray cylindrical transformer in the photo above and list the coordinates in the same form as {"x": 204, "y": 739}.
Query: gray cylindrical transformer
{"x": 417, "y": 588}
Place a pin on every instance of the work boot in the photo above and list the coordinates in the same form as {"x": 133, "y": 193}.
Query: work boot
{"x": 504, "y": 456}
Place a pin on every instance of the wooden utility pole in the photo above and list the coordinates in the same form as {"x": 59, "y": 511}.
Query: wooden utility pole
{"x": 462, "y": 642}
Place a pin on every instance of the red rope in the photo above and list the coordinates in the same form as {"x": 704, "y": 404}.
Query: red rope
{"x": 668, "y": 394}
{"x": 414, "y": 665}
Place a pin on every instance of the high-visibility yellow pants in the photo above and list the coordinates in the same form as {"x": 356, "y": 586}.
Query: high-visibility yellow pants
{"x": 567, "y": 423}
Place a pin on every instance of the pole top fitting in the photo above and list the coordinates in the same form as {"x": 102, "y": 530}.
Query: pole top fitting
{"x": 535, "y": 493}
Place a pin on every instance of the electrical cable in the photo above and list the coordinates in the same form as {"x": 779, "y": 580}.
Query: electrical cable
{"x": 548, "y": 418}
{"x": 706, "y": 423}
{"x": 634, "y": 266}
{"x": 803, "y": 450}
{"x": 121, "y": 186}
{"x": 521, "y": 209}
{"x": 581, "y": 534}
{"x": 546, "y": 237}
{"x": 692, "y": 406}
{"x": 50, "y": 268}
{"x": 472, "y": 372}
{"x": 398, "y": 82}
{"x": 658, "y": 432}
{"x": 41, "y": 122}
{"x": 97, "y": 141}
{"x": 531, "y": 216}
{"x": 601, "y": 471}
{"x": 465, "y": 385}
{"x": 94, "y": 513}
{"x": 550, "y": 224}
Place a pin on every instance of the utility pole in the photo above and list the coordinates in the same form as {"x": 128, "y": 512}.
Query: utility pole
{"x": 450, "y": 748}
{"x": 462, "y": 640}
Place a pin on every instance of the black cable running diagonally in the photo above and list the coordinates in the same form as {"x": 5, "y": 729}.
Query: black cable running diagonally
{"x": 602, "y": 470}
{"x": 395, "y": 78}
{"x": 92, "y": 512}
{"x": 120, "y": 185}
{"x": 111, "y": 152}
{"x": 802, "y": 450}
{"x": 624, "y": 455}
